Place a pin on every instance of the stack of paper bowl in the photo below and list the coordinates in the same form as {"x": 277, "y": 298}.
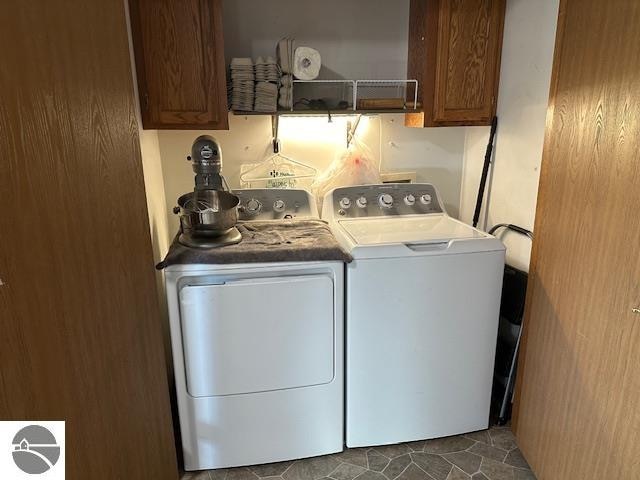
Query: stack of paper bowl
{"x": 285, "y": 52}
{"x": 267, "y": 77}
{"x": 286, "y": 92}
{"x": 266, "y": 99}
{"x": 267, "y": 70}
{"x": 242, "y": 84}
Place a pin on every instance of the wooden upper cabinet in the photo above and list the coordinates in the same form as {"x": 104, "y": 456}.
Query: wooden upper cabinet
{"x": 454, "y": 52}
{"x": 180, "y": 63}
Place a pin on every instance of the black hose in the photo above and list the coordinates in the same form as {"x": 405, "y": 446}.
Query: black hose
{"x": 515, "y": 228}
{"x": 485, "y": 171}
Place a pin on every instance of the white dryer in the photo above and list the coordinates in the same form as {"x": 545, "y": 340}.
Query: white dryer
{"x": 422, "y": 306}
{"x": 258, "y": 351}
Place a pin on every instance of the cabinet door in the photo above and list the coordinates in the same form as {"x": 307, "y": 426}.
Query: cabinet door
{"x": 468, "y": 60}
{"x": 180, "y": 63}
{"x": 454, "y": 52}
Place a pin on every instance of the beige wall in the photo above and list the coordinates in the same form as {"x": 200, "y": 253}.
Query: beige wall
{"x": 356, "y": 38}
{"x": 154, "y": 186}
{"x": 451, "y": 158}
{"x": 527, "y": 54}
{"x": 156, "y": 205}
{"x": 435, "y": 154}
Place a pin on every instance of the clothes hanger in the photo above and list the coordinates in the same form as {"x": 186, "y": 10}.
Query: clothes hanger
{"x": 278, "y": 165}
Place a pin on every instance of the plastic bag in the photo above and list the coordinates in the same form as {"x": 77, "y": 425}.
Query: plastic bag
{"x": 353, "y": 166}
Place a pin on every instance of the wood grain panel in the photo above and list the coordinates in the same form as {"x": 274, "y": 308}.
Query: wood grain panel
{"x": 454, "y": 53}
{"x": 79, "y": 317}
{"x": 577, "y": 411}
{"x": 462, "y": 71}
{"x": 468, "y": 59}
{"x": 179, "y": 50}
{"x": 423, "y": 43}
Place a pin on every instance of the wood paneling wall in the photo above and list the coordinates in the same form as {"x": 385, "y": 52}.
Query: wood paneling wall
{"x": 79, "y": 318}
{"x": 577, "y": 412}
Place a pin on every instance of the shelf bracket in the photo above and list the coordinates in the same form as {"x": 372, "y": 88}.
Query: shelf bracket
{"x": 351, "y": 129}
{"x": 275, "y": 124}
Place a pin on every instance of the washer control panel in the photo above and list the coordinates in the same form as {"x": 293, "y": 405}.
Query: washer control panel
{"x": 275, "y": 204}
{"x": 384, "y": 199}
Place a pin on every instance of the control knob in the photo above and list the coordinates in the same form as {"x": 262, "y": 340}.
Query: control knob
{"x": 361, "y": 202}
{"x": 253, "y": 206}
{"x": 345, "y": 202}
{"x": 279, "y": 205}
{"x": 409, "y": 200}
{"x": 425, "y": 199}
{"x": 385, "y": 200}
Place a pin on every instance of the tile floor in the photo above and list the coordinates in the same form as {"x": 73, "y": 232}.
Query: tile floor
{"x": 486, "y": 455}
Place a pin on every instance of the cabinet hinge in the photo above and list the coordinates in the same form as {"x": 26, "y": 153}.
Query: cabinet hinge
{"x": 145, "y": 101}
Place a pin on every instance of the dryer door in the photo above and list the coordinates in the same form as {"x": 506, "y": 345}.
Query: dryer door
{"x": 258, "y": 335}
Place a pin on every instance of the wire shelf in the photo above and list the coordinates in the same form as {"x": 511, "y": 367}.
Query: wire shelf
{"x": 349, "y": 97}
{"x": 386, "y": 94}
{"x": 336, "y": 94}
{"x": 358, "y": 95}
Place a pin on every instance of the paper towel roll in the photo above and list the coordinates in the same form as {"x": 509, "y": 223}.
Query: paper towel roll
{"x": 306, "y": 63}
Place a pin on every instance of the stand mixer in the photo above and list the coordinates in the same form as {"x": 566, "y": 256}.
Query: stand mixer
{"x": 208, "y": 215}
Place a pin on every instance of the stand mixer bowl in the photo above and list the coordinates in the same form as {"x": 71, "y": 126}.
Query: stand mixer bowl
{"x": 207, "y": 213}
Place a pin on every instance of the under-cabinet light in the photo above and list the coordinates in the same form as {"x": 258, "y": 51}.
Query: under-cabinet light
{"x": 314, "y": 129}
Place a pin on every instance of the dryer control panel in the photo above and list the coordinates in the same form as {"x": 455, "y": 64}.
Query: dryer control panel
{"x": 275, "y": 204}
{"x": 382, "y": 200}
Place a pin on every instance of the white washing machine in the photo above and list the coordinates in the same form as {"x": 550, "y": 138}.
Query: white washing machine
{"x": 422, "y": 306}
{"x": 258, "y": 351}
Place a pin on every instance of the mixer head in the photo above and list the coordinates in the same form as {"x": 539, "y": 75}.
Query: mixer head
{"x": 206, "y": 155}
{"x": 206, "y": 159}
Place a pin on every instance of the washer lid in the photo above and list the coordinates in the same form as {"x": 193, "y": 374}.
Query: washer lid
{"x": 408, "y": 230}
